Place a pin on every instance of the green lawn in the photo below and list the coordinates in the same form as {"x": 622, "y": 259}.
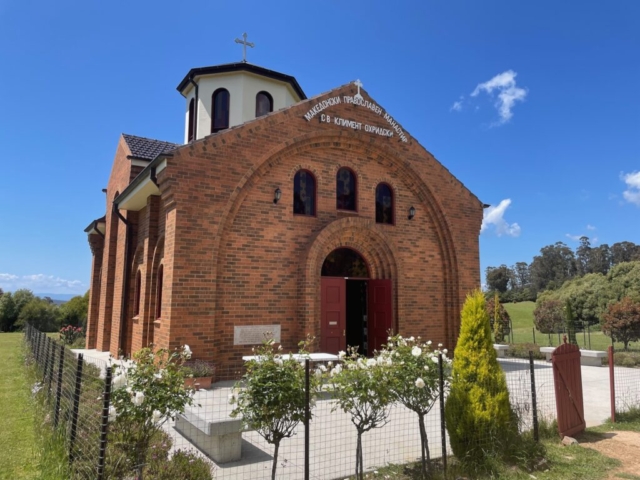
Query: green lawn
{"x": 17, "y": 442}
{"x": 522, "y": 321}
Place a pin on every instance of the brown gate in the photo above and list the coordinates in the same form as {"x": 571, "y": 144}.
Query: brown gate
{"x": 567, "y": 378}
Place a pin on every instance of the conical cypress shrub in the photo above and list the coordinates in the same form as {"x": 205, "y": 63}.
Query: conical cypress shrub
{"x": 477, "y": 412}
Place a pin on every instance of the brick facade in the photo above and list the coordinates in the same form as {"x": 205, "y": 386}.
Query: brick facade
{"x": 231, "y": 256}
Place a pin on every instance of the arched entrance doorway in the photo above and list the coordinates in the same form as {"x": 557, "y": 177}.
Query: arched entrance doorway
{"x": 356, "y": 311}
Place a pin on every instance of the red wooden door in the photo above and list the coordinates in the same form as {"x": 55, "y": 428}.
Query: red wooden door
{"x": 380, "y": 314}
{"x": 567, "y": 377}
{"x": 333, "y": 305}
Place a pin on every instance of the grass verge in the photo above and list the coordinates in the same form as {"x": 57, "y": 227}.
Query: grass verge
{"x": 18, "y": 440}
{"x": 27, "y": 450}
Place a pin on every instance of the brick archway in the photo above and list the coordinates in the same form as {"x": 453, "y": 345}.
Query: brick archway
{"x": 359, "y": 234}
{"x": 357, "y": 143}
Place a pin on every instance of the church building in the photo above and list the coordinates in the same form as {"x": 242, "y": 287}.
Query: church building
{"x": 279, "y": 214}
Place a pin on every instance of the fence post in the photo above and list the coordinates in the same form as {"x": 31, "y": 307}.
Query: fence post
{"x": 307, "y": 417}
{"x": 443, "y": 426}
{"x": 56, "y": 412}
{"x": 45, "y": 359}
{"x": 37, "y": 351}
{"x": 534, "y": 399}
{"x": 76, "y": 407}
{"x": 612, "y": 384}
{"x": 52, "y": 362}
{"x": 533, "y": 329}
{"x": 106, "y": 401}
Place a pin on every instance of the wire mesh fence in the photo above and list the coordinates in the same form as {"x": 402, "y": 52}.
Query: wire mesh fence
{"x": 626, "y": 387}
{"x": 325, "y": 448}
{"x": 73, "y": 391}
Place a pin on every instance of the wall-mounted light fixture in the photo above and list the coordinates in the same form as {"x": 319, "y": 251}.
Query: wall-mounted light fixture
{"x": 412, "y": 212}
{"x": 276, "y": 196}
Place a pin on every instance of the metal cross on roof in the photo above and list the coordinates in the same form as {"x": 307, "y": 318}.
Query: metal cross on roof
{"x": 358, "y": 84}
{"x": 245, "y": 44}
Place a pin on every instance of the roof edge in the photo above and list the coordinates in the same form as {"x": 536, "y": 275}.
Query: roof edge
{"x": 239, "y": 67}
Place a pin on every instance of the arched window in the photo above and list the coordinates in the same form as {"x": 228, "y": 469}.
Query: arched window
{"x": 304, "y": 193}
{"x": 192, "y": 120}
{"x": 344, "y": 262}
{"x": 346, "y": 189}
{"x": 384, "y": 204}
{"x": 220, "y": 101}
{"x": 264, "y": 104}
{"x": 159, "y": 293}
{"x": 136, "y": 298}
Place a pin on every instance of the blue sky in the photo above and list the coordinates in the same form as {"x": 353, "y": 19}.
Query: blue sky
{"x": 547, "y": 128}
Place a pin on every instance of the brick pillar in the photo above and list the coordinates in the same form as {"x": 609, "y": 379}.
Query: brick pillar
{"x": 96, "y": 242}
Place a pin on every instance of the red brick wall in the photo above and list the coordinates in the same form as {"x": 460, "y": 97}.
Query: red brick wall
{"x": 232, "y": 257}
{"x": 238, "y": 259}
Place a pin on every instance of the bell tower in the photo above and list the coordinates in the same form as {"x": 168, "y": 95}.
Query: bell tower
{"x": 223, "y": 96}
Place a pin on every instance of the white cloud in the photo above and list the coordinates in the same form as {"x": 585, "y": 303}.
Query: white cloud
{"x": 508, "y": 93}
{"x": 495, "y": 216}
{"x": 575, "y": 238}
{"x": 632, "y": 193}
{"x": 457, "y": 106}
{"x": 590, "y": 227}
{"x": 40, "y": 283}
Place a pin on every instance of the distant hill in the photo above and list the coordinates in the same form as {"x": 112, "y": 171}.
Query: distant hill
{"x": 57, "y": 298}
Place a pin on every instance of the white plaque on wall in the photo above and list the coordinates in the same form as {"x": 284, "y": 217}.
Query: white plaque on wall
{"x": 255, "y": 334}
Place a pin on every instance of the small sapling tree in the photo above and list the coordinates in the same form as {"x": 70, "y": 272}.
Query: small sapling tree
{"x": 361, "y": 389}
{"x": 570, "y": 323}
{"x": 414, "y": 380}
{"x": 499, "y": 319}
{"x": 271, "y": 396}
{"x": 622, "y": 321}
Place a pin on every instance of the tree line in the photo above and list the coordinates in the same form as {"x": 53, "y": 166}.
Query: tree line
{"x": 22, "y": 307}
{"x": 555, "y": 265}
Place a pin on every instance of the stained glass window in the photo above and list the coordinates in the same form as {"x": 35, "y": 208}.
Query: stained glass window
{"x": 220, "y": 110}
{"x": 344, "y": 262}
{"x": 264, "y": 104}
{"x": 304, "y": 193}
{"x": 345, "y": 189}
{"x": 384, "y": 204}
{"x": 159, "y": 292}
{"x": 192, "y": 120}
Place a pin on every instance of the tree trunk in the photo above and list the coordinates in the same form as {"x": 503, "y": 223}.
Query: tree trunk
{"x": 426, "y": 458}
{"x": 275, "y": 459}
{"x": 359, "y": 466}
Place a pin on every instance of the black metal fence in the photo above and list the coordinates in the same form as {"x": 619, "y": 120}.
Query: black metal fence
{"x": 76, "y": 394}
{"x": 324, "y": 447}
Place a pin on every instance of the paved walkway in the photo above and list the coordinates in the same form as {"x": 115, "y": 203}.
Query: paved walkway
{"x": 333, "y": 437}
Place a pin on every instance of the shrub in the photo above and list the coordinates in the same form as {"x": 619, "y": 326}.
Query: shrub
{"x": 70, "y": 334}
{"x": 548, "y": 316}
{"x": 477, "y": 412}
{"x": 521, "y": 350}
{"x": 183, "y": 465}
{"x": 199, "y": 368}
{"x": 146, "y": 393}
{"x": 622, "y": 321}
